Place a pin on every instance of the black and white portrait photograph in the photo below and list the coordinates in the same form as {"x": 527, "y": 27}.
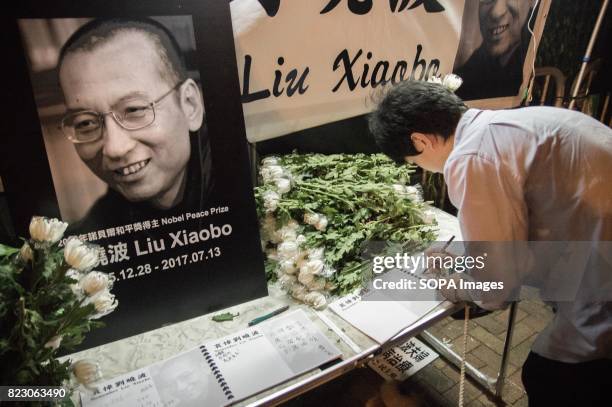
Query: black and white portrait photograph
{"x": 492, "y": 48}
{"x": 122, "y": 116}
{"x": 135, "y": 161}
{"x": 186, "y": 381}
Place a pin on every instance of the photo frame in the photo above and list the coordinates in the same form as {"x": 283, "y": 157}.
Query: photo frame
{"x": 172, "y": 206}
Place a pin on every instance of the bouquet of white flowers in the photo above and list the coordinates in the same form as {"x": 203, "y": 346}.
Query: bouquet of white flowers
{"x": 316, "y": 211}
{"x": 49, "y": 298}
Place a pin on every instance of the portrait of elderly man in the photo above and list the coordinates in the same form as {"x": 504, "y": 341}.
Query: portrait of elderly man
{"x": 495, "y": 68}
{"x": 135, "y": 119}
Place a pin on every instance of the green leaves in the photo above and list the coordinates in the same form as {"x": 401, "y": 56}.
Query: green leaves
{"x": 358, "y": 195}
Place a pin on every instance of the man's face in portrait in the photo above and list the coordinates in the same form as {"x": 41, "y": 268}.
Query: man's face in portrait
{"x": 184, "y": 382}
{"x": 501, "y": 22}
{"x": 125, "y": 74}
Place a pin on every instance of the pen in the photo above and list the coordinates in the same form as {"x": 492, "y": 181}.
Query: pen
{"x": 448, "y": 243}
{"x": 268, "y": 316}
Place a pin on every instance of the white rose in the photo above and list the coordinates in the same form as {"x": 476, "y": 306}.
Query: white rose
{"x": 54, "y": 343}
{"x": 86, "y": 371}
{"x": 428, "y": 217}
{"x": 452, "y": 82}
{"x": 288, "y": 250}
{"x": 94, "y": 282}
{"x": 271, "y": 199}
{"x": 321, "y": 224}
{"x": 313, "y": 266}
{"x": 298, "y": 291}
{"x": 25, "y": 253}
{"x": 315, "y": 300}
{"x": 283, "y": 185}
{"x": 311, "y": 218}
{"x": 435, "y": 79}
{"x": 45, "y": 230}
{"x": 288, "y": 266}
{"x": 104, "y": 302}
{"x": 79, "y": 255}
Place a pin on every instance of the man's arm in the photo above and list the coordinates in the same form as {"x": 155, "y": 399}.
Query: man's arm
{"x": 493, "y": 212}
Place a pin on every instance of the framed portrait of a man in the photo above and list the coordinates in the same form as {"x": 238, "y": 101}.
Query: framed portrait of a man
{"x": 130, "y": 128}
{"x": 494, "y": 47}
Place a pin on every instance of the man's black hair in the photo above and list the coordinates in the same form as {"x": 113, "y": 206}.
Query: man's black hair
{"x": 99, "y": 31}
{"x": 413, "y": 106}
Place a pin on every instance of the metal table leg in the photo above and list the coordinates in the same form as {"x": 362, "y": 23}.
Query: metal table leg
{"x": 493, "y": 386}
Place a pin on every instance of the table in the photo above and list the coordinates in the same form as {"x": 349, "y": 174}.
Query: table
{"x": 141, "y": 350}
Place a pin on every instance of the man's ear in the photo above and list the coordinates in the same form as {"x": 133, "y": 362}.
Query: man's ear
{"x": 192, "y": 104}
{"x": 421, "y": 141}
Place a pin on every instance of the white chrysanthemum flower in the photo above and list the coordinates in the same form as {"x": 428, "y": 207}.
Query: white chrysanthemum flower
{"x": 104, "y": 303}
{"x": 25, "y": 253}
{"x": 79, "y": 255}
{"x": 328, "y": 272}
{"x": 413, "y": 193}
{"x": 452, "y": 82}
{"x": 270, "y": 161}
{"x": 298, "y": 291}
{"x": 272, "y": 254}
{"x": 399, "y": 189}
{"x": 268, "y": 227}
{"x": 283, "y": 185}
{"x": 287, "y": 234}
{"x": 287, "y": 280}
{"x": 305, "y": 277}
{"x": 45, "y": 230}
{"x": 288, "y": 250}
{"x": 330, "y": 286}
{"x": 292, "y": 224}
{"x": 316, "y": 253}
{"x": 435, "y": 79}
{"x": 321, "y": 225}
{"x": 54, "y": 343}
{"x": 288, "y": 266}
{"x": 315, "y": 300}
{"x": 86, "y": 371}
{"x": 314, "y": 266}
{"x": 317, "y": 284}
{"x": 428, "y": 216}
{"x": 271, "y": 199}
{"x": 300, "y": 239}
{"x": 311, "y": 218}
{"x": 95, "y": 282}
{"x": 271, "y": 173}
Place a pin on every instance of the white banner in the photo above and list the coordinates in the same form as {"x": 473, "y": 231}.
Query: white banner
{"x": 306, "y": 63}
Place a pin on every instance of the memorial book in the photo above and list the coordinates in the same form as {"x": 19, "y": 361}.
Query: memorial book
{"x": 222, "y": 371}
